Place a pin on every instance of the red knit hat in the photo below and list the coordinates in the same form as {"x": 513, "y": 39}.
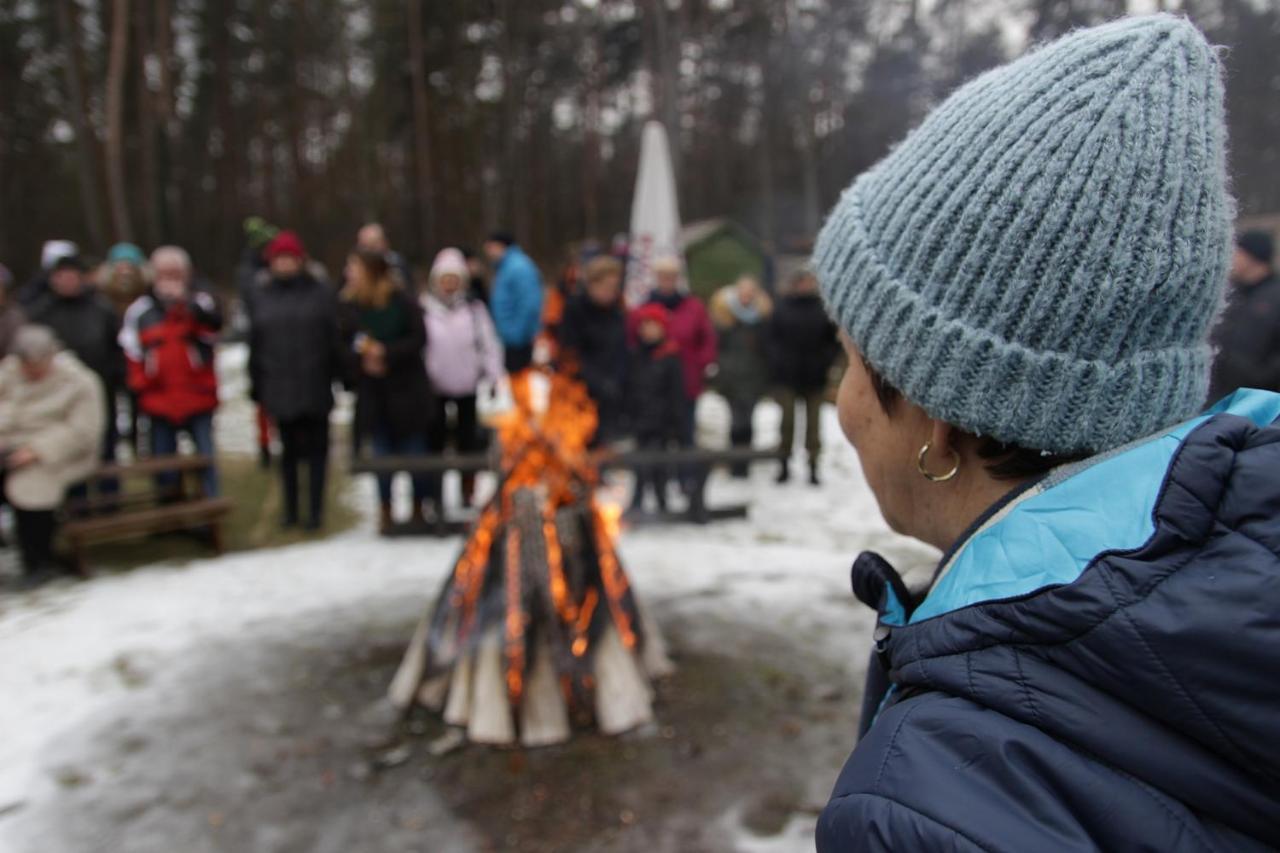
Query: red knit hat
{"x": 285, "y": 243}
{"x": 652, "y": 311}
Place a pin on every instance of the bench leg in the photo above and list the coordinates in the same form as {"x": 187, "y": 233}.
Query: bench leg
{"x": 76, "y": 561}
{"x": 215, "y": 538}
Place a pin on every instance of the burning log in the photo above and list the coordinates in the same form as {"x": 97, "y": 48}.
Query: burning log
{"x": 537, "y": 629}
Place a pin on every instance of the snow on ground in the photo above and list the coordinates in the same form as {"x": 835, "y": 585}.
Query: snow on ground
{"x": 71, "y": 653}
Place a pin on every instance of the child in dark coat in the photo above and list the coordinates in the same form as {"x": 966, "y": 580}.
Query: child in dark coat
{"x": 656, "y": 396}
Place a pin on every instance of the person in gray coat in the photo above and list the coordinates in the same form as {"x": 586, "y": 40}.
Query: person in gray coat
{"x": 1248, "y": 337}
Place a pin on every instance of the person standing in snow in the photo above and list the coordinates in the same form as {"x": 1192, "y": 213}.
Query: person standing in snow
{"x": 1026, "y": 314}
{"x": 802, "y": 347}
{"x": 741, "y": 313}
{"x": 593, "y": 339}
{"x": 1248, "y": 336}
{"x": 51, "y": 412}
{"x": 515, "y": 299}
{"x": 294, "y": 358}
{"x": 169, "y": 337}
{"x": 656, "y": 398}
{"x": 383, "y": 340}
{"x": 85, "y": 323}
{"x": 462, "y": 352}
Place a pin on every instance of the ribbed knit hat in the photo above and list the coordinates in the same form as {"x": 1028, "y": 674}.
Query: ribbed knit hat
{"x": 1041, "y": 260}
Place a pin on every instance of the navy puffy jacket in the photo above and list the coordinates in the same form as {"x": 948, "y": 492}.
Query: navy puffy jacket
{"x": 1097, "y": 667}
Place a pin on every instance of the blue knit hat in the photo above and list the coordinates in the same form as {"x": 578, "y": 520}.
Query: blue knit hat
{"x": 126, "y": 253}
{"x": 1041, "y": 260}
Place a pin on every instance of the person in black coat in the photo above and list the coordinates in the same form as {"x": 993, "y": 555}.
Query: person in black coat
{"x": 1248, "y": 336}
{"x": 656, "y": 397}
{"x": 88, "y": 326}
{"x": 383, "y": 339}
{"x": 802, "y": 347}
{"x": 593, "y": 338}
{"x": 294, "y": 360}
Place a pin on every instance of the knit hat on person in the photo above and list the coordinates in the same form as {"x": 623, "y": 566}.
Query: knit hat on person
{"x": 126, "y": 253}
{"x": 652, "y": 312}
{"x": 450, "y": 262}
{"x": 54, "y": 249}
{"x": 285, "y": 243}
{"x": 1041, "y": 260}
{"x": 1257, "y": 245}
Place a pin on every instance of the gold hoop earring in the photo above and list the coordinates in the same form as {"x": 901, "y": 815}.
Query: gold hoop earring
{"x": 930, "y": 476}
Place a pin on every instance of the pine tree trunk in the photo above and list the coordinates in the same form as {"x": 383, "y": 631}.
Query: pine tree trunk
{"x": 116, "y": 67}
{"x": 86, "y": 160}
{"x": 421, "y": 126}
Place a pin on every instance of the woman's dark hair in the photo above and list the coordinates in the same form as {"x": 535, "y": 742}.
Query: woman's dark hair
{"x": 1005, "y": 461}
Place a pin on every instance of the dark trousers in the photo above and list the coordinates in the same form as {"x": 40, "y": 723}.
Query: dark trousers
{"x": 384, "y": 444}
{"x": 455, "y": 424}
{"x": 35, "y": 529}
{"x": 518, "y": 358}
{"x": 650, "y": 477}
{"x": 304, "y": 440}
{"x": 742, "y": 410}
{"x": 789, "y": 398}
{"x": 164, "y": 442}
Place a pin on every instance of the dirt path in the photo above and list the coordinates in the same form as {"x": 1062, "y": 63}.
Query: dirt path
{"x": 277, "y": 749}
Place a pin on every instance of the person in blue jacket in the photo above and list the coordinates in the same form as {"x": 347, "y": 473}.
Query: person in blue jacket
{"x": 1025, "y": 288}
{"x": 516, "y": 299}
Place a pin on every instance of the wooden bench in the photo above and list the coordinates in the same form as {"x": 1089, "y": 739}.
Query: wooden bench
{"x": 106, "y": 515}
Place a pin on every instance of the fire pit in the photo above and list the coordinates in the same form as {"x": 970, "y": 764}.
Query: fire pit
{"x": 537, "y": 630}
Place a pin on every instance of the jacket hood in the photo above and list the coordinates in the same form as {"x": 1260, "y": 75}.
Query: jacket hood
{"x": 1129, "y": 607}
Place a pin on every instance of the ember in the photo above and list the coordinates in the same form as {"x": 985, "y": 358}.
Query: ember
{"x": 537, "y": 628}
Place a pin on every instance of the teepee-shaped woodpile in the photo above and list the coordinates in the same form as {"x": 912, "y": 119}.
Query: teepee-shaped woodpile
{"x": 537, "y": 630}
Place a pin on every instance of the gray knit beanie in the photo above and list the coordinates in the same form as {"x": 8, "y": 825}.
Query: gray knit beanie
{"x": 1041, "y": 260}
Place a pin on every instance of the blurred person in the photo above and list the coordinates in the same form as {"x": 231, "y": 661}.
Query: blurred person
{"x": 372, "y": 238}
{"x": 85, "y": 323}
{"x": 1248, "y": 335}
{"x": 802, "y": 348}
{"x": 1025, "y": 287}
{"x": 12, "y": 317}
{"x": 593, "y": 339}
{"x": 51, "y": 413}
{"x": 463, "y": 351}
{"x": 656, "y": 398}
{"x": 515, "y": 300}
{"x": 50, "y": 252}
{"x": 252, "y": 274}
{"x": 169, "y": 337}
{"x": 294, "y": 359}
{"x": 478, "y": 277}
{"x": 122, "y": 279}
{"x": 383, "y": 338}
{"x": 690, "y": 329}
{"x": 741, "y": 313}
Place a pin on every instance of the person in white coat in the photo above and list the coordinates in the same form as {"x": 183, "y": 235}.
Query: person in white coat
{"x": 51, "y": 426}
{"x": 462, "y": 352}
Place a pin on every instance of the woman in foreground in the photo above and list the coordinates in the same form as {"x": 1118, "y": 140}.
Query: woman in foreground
{"x": 1025, "y": 288}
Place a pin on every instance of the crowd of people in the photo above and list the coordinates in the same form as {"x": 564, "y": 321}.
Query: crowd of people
{"x": 417, "y": 353}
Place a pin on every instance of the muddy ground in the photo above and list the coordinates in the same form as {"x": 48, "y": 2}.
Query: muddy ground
{"x": 282, "y": 748}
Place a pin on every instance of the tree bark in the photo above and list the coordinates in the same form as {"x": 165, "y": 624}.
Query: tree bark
{"x": 116, "y": 67}
{"x": 147, "y": 130}
{"x": 421, "y": 127}
{"x": 86, "y": 159}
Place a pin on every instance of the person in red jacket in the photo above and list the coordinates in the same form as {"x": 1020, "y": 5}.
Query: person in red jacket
{"x": 168, "y": 337}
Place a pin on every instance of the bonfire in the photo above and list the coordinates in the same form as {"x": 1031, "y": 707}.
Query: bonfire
{"x": 537, "y": 631}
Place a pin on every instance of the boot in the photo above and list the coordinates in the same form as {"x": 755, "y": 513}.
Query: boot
{"x": 784, "y": 473}
{"x": 468, "y": 489}
{"x": 385, "y": 522}
{"x": 813, "y": 473}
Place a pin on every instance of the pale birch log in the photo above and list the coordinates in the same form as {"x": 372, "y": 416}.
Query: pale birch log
{"x": 409, "y": 676}
{"x": 624, "y": 699}
{"x": 544, "y": 717}
{"x": 490, "y": 718}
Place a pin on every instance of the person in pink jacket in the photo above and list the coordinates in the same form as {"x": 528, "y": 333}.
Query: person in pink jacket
{"x": 462, "y": 352}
